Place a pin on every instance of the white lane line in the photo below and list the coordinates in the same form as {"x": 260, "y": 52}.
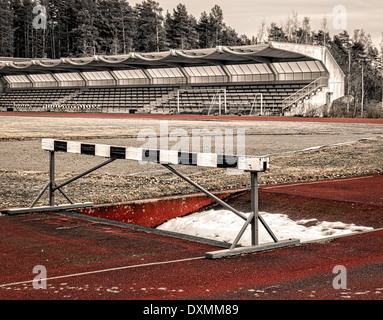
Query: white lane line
{"x": 104, "y": 270}
{"x": 323, "y": 147}
{"x": 302, "y": 184}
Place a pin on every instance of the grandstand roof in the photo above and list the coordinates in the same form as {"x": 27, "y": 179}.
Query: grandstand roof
{"x": 260, "y": 53}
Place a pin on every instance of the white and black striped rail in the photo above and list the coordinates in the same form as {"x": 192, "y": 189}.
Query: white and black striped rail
{"x": 245, "y": 163}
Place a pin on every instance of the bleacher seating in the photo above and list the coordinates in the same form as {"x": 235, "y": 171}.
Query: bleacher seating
{"x": 33, "y": 97}
{"x": 239, "y": 98}
{"x": 160, "y": 99}
{"x": 124, "y": 97}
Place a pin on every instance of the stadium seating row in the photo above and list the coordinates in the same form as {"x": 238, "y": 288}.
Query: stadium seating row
{"x": 197, "y": 99}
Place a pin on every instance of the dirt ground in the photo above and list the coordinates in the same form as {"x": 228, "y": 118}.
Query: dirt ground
{"x": 337, "y": 150}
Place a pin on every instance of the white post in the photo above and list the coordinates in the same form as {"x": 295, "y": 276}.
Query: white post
{"x": 219, "y": 103}
{"x": 178, "y": 101}
{"x": 261, "y": 104}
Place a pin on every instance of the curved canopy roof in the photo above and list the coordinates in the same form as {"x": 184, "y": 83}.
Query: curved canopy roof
{"x": 261, "y": 53}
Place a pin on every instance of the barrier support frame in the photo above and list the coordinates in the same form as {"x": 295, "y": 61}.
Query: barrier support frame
{"x": 113, "y": 153}
{"x": 54, "y": 187}
{"x": 51, "y": 186}
{"x": 251, "y": 220}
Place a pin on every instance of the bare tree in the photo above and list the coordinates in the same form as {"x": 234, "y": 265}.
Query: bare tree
{"x": 324, "y": 27}
{"x": 306, "y": 31}
{"x": 291, "y": 26}
{"x": 261, "y": 32}
{"x": 381, "y": 64}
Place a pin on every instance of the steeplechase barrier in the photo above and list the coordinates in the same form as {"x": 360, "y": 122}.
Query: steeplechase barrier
{"x": 166, "y": 158}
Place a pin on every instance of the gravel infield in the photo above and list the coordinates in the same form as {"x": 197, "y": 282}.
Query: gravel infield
{"x": 299, "y": 151}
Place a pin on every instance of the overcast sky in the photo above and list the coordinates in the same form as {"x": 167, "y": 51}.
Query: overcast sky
{"x": 245, "y": 16}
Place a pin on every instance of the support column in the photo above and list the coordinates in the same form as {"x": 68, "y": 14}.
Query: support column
{"x": 254, "y": 208}
{"x": 51, "y": 178}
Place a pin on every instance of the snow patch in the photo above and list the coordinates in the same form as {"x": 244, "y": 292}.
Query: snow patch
{"x": 224, "y": 225}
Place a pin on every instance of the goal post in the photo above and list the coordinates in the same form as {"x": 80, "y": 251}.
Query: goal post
{"x": 215, "y": 97}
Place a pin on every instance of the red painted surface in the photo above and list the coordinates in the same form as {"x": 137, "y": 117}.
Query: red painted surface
{"x": 86, "y": 260}
{"x": 357, "y": 200}
{"x": 366, "y": 189}
{"x": 153, "y": 212}
{"x": 92, "y": 260}
{"x": 191, "y": 117}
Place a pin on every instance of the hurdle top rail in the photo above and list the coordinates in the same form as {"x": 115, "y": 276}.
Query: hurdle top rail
{"x": 246, "y": 163}
{"x": 166, "y": 158}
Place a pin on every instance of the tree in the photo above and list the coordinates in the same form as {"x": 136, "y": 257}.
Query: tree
{"x": 181, "y": 29}
{"x": 22, "y": 25}
{"x": 341, "y": 48}
{"x": 324, "y": 31}
{"x": 127, "y": 27}
{"x": 151, "y": 33}
{"x": 6, "y": 29}
{"x": 261, "y": 32}
{"x": 381, "y": 68}
{"x": 216, "y": 26}
{"x": 365, "y": 67}
{"x": 203, "y": 30}
{"x": 276, "y": 33}
{"x": 304, "y": 34}
{"x": 105, "y": 23}
{"x": 85, "y": 33}
{"x": 291, "y": 27}
{"x": 230, "y": 37}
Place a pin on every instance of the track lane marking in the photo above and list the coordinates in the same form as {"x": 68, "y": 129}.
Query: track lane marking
{"x": 302, "y": 184}
{"x": 103, "y": 270}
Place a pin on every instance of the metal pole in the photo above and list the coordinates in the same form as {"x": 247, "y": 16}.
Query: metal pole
{"x": 261, "y": 104}
{"x": 242, "y": 231}
{"x": 254, "y": 208}
{"x": 65, "y": 195}
{"x": 362, "y": 99}
{"x": 219, "y": 103}
{"x": 272, "y": 235}
{"x": 51, "y": 178}
{"x": 178, "y": 101}
{"x": 83, "y": 174}
{"x": 40, "y": 194}
{"x": 222, "y": 203}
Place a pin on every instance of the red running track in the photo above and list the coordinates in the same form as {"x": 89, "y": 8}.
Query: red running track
{"x": 365, "y": 189}
{"x": 191, "y": 117}
{"x": 88, "y": 259}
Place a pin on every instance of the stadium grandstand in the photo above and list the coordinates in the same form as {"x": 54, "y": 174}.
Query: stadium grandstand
{"x": 263, "y": 79}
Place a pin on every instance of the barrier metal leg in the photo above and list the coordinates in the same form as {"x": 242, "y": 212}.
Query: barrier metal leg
{"x": 254, "y": 208}
{"x": 50, "y": 184}
{"x": 51, "y": 178}
{"x": 40, "y": 194}
{"x": 209, "y": 194}
{"x": 52, "y": 187}
{"x": 252, "y": 220}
